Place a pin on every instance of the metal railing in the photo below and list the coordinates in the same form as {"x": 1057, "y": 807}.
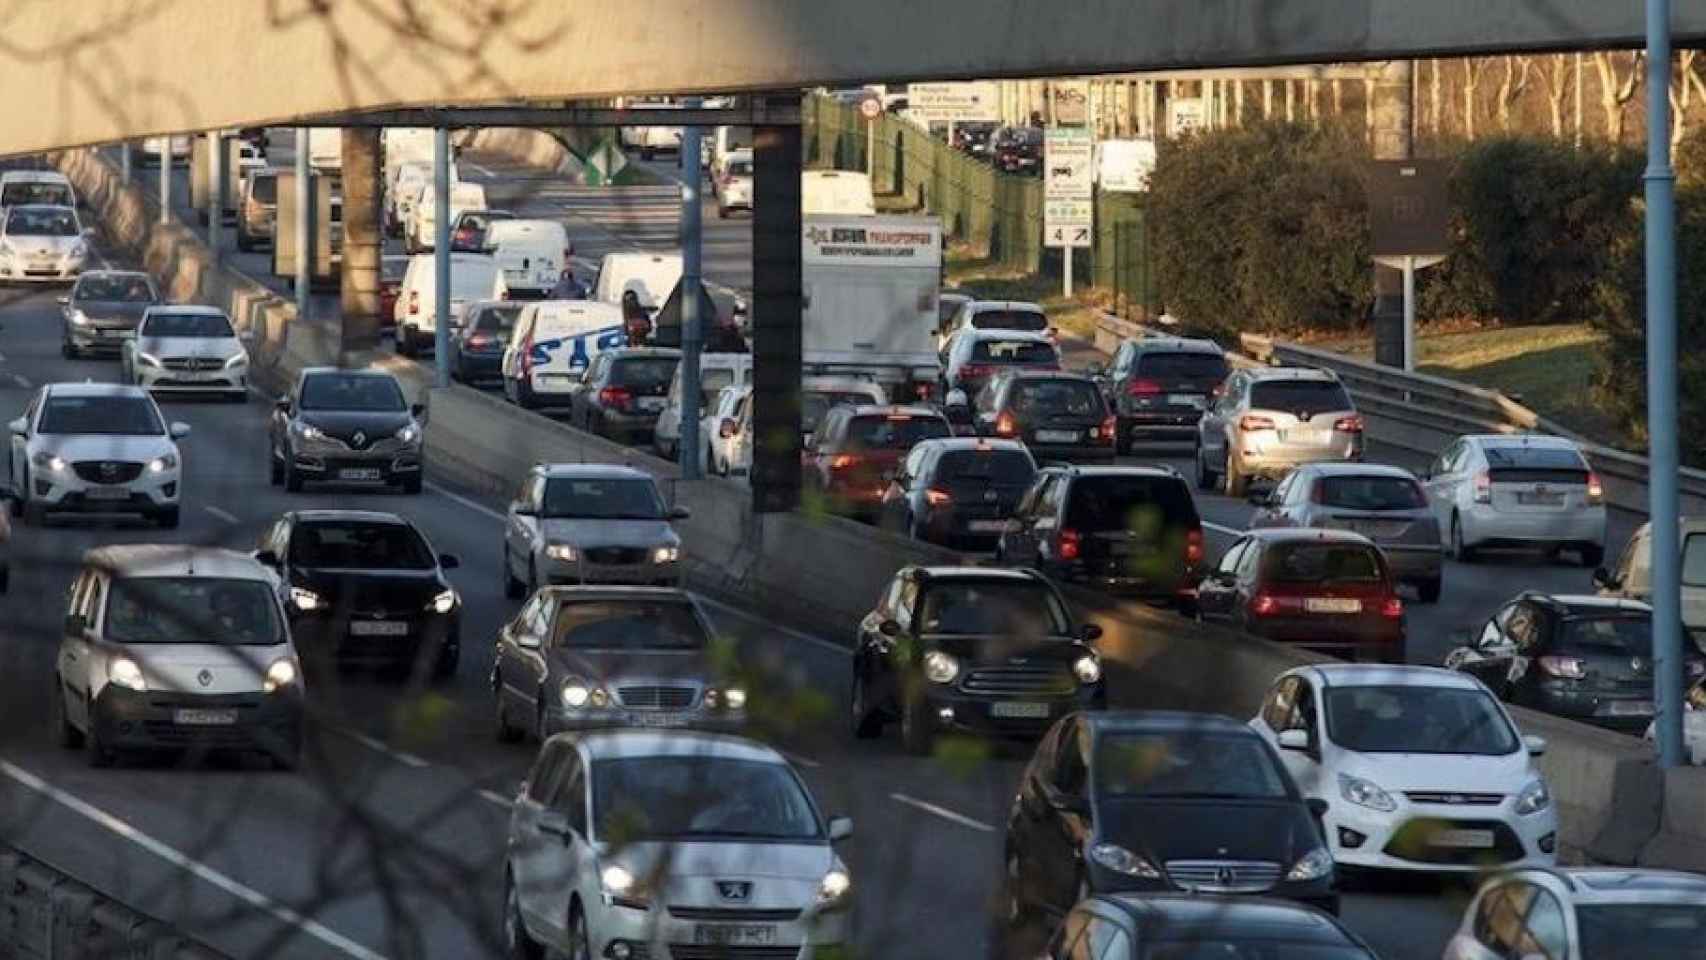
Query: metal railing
{"x": 45, "y": 915}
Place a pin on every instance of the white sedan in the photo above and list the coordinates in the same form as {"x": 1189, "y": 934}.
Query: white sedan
{"x": 192, "y": 349}
{"x": 96, "y": 448}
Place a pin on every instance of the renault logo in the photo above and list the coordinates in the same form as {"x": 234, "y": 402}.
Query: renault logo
{"x": 205, "y": 678}
{"x": 359, "y": 438}
{"x": 739, "y": 891}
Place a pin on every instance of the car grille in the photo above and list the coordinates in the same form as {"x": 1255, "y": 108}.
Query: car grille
{"x": 1224, "y": 876}
{"x": 1456, "y": 799}
{"x": 169, "y": 382}
{"x": 996, "y": 681}
{"x": 691, "y": 951}
{"x": 617, "y": 555}
{"x": 656, "y": 697}
{"x": 734, "y": 915}
{"x": 107, "y": 471}
{"x": 1410, "y": 842}
{"x": 191, "y": 363}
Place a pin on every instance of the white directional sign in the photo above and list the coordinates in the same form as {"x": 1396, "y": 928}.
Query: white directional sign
{"x": 1068, "y": 175}
{"x": 978, "y": 102}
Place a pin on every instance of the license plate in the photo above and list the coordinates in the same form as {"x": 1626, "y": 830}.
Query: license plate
{"x": 1019, "y": 710}
{"x": 652, "y": 404}
{"x": 378, "y": 628}
{"x": 107, "y": 493}
{"x": 1629, "y": 708}
{"x": 1332, "y": 605}
{"x": 986, "y": 526}
{"x": 656, "y": 720}
{"x": 1471, "y": 839}
{"x": 734, "y": 934}
{"x": 1057, "y": 436}
{"x": 359, "y": 473}
{"x": 1303, "y": 436}
{"x": 204, "y": 718}
{"x": 1185, "y": 400}
{"x": 518, "y": 273}
{"x": 1540, "y": 499}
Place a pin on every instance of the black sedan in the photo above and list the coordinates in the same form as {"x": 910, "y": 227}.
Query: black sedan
{"x": 1059, "y": 416}
{"x": 364, "y": 588}
{"x": 1159, "y": 802}
{"x": 1195, "y": 928}
{"x": 971, "y": 649}
{"x": 102, "y": 311}
{"x": 478, "y": 343}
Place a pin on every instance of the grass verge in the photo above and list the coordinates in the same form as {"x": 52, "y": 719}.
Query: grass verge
{"x": 969, "y": 271}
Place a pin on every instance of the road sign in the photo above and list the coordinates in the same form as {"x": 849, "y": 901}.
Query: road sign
{"x": 1184, "y": 115}
{"x": 1068, "y": 174}
{"x": 978, "y": 102}
{"x": 871, "y": 107}
{"x": 1070, "y": 102}
{"x": 1408, "y": 208}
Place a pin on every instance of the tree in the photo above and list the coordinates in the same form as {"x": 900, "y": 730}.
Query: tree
{"x": 1556, "y": 78}
{"x": 1684, "y": 82}
{"x": 1513, "y": 86}
{"x": 1472, "y": 68}
{"x": 1615, "y": 90}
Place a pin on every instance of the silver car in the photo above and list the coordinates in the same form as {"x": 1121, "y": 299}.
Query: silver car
{"x": 590, "y": 523}
{"x": 1522, "y": 491}
{"x": 632, "y": 843}
{"x": 1270, "y": 420}
{"x": 1385, "y": 504}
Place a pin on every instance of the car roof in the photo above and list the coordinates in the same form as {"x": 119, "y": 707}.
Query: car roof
{"x": 345, "y": 516}
{"x": 1177, "y": 345}
{"x": 175, "y": 560}
{"x": 194, "y": 309}
{"x": 349, "y": 372}
{"x": 1620, "y": 885}
{"x": 93, "y": 389}
{"x": 40, "y": 206}
{"x": 647, "y": 256}
{"x": 1521, "y": 440}
{"x": 643, "y": 352}
{"x": 979, "y": 306}
{"x": 1575, "y": 604}
{"x": 1184, "y": 917}
{"x": 824, "y": 382}
{"x": 592, "y": 471}
{"x": 627, "y": 744}
{"x": 1162, "y": 721}
{"x": 893, "y": 410}
{"x": 1292, "y": 373}
{"x": 977, "y": 573}
{"x": 1022, "y": 373}
{"x": 1296, "y": 534}
{"x": 1116, "y": 470}
{"x": 1387, "y": 675}
{"x": 117, "y": 273}
{"x": 1365, "y": 469}
{"x": 38, "y": 176}
{"x": 979, "y": 444}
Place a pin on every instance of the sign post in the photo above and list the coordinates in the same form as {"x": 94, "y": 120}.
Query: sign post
{"x": 871, "y": 108}
{"x": 1408, "y": 218}
{"x": 1068, "y": 202}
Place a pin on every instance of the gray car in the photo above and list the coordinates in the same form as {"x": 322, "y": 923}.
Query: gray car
{"x": 1385, "y": 504}
{"x": 589, "y": 523}
{"x": 102, "y": 311}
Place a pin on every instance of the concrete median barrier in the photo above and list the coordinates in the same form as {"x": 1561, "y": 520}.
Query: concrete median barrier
{"x": 45, "y": 915}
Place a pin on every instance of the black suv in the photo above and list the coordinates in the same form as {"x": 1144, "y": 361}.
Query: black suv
{"x": 624, "y": 392}
{"x": 1126, "y": 529}
{"x": 1059, "y": 416}
{"x": 351, "y": 427}
{"x": 971, "y": 649}
{"x": 1159, "y": 387}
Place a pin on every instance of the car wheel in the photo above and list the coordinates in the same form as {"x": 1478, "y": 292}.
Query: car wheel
{"x": 518, "y": 945}
{"x": 292, "y": 476}
{"x": 448, "y": 659}
{"x": 646, "y": 153}
{"x": 1591, "y": 555}
{"x": 917, "y": 734}
{"x": 1460, "y": 551}
{"x": 722, "y": 212}
{"x": 167, "y": 519}
{"x": 506, "y": 732}
{"x": 243, "y": 243}
{"x": 405, "y": 342}
{"x": 580, "y": 947}
{"x": 1428, "y": 590}
{"x": 70, "y": 737}
{"x": 864, "y": 722}
{"x": 66, "y": 350}
{"x": 1206, "y": 479}
{"x": 99, "y": 754}
{"x": 17, "y": 505}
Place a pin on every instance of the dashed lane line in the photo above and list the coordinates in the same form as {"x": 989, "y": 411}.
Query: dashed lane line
{"x": 372, "y": 743}
{"x": 224, "y": 515}
{"x": 942, "y": 812}
{"x": 493, "y": 796}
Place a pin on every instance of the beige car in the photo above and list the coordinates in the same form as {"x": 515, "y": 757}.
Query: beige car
{"x": 257, "y": 212}
{"x": 1632, "y": 576}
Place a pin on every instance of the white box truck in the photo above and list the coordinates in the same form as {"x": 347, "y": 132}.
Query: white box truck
{"x": 870, "y": 286}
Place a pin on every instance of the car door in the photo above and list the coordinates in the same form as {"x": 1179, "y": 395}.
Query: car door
{"x": 899, "y": 505}
{"x": 73, "y": 666}
{"x": 1215, "y": 593}
{"x": 1442, "y": 481}
{"x": 1114, "y": 380}
{"x": 565, "y": 853}
{"x": 520, "y": 658}
{"x": 521, "y": 338}
{"x": 1211, "y": 428}
{"x": 1027, "y": 839}
{"x": 529, "y": 847}
{"x": 1495, "y": 647}
{"x": 1308, "y": 767}
{"x": 1274, "y": 510}
{"x": 1065, "y": 821}
{"x": 1038, "y": 521}
{"x": 20, "y": 453}
{"x": 523, "y": 526}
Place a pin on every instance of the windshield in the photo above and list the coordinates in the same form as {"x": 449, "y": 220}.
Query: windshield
{"x": 814, "y": 404}
{"x": 1305, "y": 398}
{"x": 360, "y": 393}
{"x": 602, "y": 499}
{"x": 1418, "y": 719}
{"x": 193, "y": 610}
{"x": 41, "y": 222}
{"x": 1182, "y": 364}
{"x": 1007, "y": 606}
{"x": 644, "y": 374}
{"x": 1370, "y": 493}
{"x": 358, "y": 545}
{"x": 628, "y": 625}
{"x": 1073, "y": 398}
{"x": 186, "y": 325}
{"x": 57, "y": 194}
{"x": 1322, "y": 563}
{"x": 740, "y": 168}
{"x": 1142, "y": 505}
{"x": 699, "y": 797}
{"x": 1212, "y": 948}
{"x": 1186, "y": 763}
{"x": 897, "y": 431}
{"x": 995, "y": 466}
{"x": 1637, "y": 931}
{"x": 1628, "y": 636}
{"x": 1030, "y": 320}
{"x": 265, "y": 189}
{"x": 1018, "y": 352}
{"x": 111, "y": 289}
{"x": 124, "y": 416}
{"x": 394, "y": 268}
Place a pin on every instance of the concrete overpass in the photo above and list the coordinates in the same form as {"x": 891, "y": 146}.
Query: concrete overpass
{"x": 101, "y": 70}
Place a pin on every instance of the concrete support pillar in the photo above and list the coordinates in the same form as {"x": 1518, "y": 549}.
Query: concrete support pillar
{"x": 776, "y": 309}
{"x": 1238, "y": 103}
{"x": 1392, "y": 138}
{"x": 363, "y": 243}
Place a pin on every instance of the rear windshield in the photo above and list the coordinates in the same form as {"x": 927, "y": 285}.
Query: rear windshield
{"x": 265, "y": 189}
{"x": 740, "y": 168}
{"x": 628, "y": 625}
{"x": 394, "y": 268}
{"x": 644, "y": 373}
{"x": 1182, "y": 365}
{"x": 1029, "y": 320}
{"x": 186, "y": 325}
{"x": 1305, "y": 398}
{"x": 814, "y": 404}
{"x": 893, "y": 431}
{"x": 54, "y": 193}
{"x": 1517, "y": 463}
{"x": 1132, "y": 503}
{"x": 1023, "y": 352}
{"x": 995, "y": 466}
{"x": 1624, "y": 635}
{"x": 1321, "y": 563}
{"x": 1078, "y": 398}
{"x": 1370, "y": 493}
{"x": 357, "y": 545}
{"x": 501, "y": 319}
{"x": 110, "y": 289}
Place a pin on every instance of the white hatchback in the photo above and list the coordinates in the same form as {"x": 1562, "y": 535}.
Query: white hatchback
{"x": 189, "y": 349}
{"x": 1523, "y": 491}
{"x": 96, "y": 448}
{"x": 1583, "y": 913}
{"x": 42, "y": 243}
{"x": 1421, "y": 768}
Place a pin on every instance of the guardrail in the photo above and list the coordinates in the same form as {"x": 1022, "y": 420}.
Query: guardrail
{"x": 45, "y": 915}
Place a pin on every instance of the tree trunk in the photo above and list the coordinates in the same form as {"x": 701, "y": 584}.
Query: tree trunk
{"x": 1267, "y": 99}
{"x": 1681, "y": 92}
{"x": 1512, "y": 87}
{"x": 1615, "y": 91}
{"x": 1471, "y": 78}
{"x": 1557, "y": 82}
{"x": 1435, "y": 98}
{"x": 1290, "y": 101}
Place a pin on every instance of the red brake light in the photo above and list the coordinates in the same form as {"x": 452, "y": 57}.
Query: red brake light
{"x": 1392, "y": 608}
{"x": 937, "y": 498}
{"x": 1219, "y": 389}
{"x": 414, "y": 302}
{"x": 1350, "y": 424}
{"x": 1070, "y": 543}
{"x": 1264, "y": 605}
{"x": 842, "y": 461}
{"x": 1596, "y": 490}
{"x": 477, "y": 340}
{"x": 1250, "y": 424}
{"x": 1483, "y": 487}
{"x": 975, "y": 371}
{"x": 1005, "y": 425}
{"x": 1143, "y": 388}
{"x": 525, "y": 350}
{"x": 617, "y": 397}
{"x": 1193, "y": 546}
{"x": 1110, "y": 427}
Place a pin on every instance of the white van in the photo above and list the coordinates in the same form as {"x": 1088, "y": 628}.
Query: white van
{"x": 840, "y": 192}
{"x": 732, "y": 183}
{"x": 726, "y": 141}
{"x": 36, "y": 186}
{"x": 532, "y": 256}
{"x": 1632, "y": 576}
{"x": 403, "y": 187}
{"x": 652, "y": 276}
{"x": 472, "y": 277}
{"x": 326, "y": 148}
{"x": 421, "y": 230}
{"x": 552, "y": 344}
{"x": 716, "y": 371}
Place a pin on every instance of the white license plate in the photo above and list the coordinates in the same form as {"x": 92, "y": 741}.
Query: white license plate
{"x": 1332, "y": 605}
{"x": 107, "y": 493}
{"x": 734, "y": 934}
{"x": 1629, "y": 708}
{"x": 652, "y": 404}
{"x": 1185, "y": 400}
{"x": 1311, "y": 437}
{"x": 1540, "y": 499}
{"x": 1019, "y": 710}
{"x": 359, "y": 473}
{"x": 1470, "y": 839}
{"x": 1057, "y": 436}
{"x": 378, "y": 628}
{"x": 656, "y": 720}
{"x": 204, "y": 718}
{"x": 987, "y": 526}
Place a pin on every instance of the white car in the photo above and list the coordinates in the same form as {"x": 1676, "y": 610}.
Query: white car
{"x": 553, "y": 343}
{"x": 1693, "y": 724}
{"x": 732, "y": 182}
{"x": 717, "y": 371}
{"x": 421, "y": 230}
{"x": 96, "y": 448}
{"x": 1583, "y": 913}
{"x": 472, "y": 277}
{"x": 532, "y": 257}
{"x": 42, "y": 243}
{"x": 188, "y": 349}
{"x": 1421, "y": 768}
{"x": 1521, "y": 491}
{"x": 727, "y": 451}
{"x": 36, "y": 186}
{"x": 635, "y": 843}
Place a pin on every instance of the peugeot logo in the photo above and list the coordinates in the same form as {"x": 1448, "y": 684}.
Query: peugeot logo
{"x": 1456, "y": 798}
{"x": 738, "y": 891}
{"x": 359, "y": 438}
{"x": 205, "y": 678}
{"x": 1225, "y": 876}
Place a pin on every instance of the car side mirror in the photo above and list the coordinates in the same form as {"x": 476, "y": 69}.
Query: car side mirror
{"x": 728, "y": 429}
{"x": 88, "y": 233}
{"x": 19, "y": 426}
{"x": 282, "y": 405}
{"x": 680, "y": 513}
{"x": 418, "y": 410}
{"x": 1070, "y": 803}
{"x": 1603, "y": 579}
{"x": 1091, "y": 632}
{"x": 1294, "y": 739}
{"x": 840, "y": 828}
{"x": 1317, "y": 807}
{"x": 889, "y": 628}
{"x": 267, "y": 558}
{"x": 64, "y": 301}
{"x": 555, "y": 823}
{"x": 449, "y": 561}
{"x": 525, "y": 641}
{"x": 1536, "y": 746}
{"x": 180, "y": 430}
{"x": 75, "y": 625}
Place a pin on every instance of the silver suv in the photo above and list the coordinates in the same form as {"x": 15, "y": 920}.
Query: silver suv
{"x": 590, "y": 524}
{"x": 1269, "y": 420}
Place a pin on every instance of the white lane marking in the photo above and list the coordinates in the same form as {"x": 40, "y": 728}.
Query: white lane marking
{"x": 482, "y": 171}
{"x": 1222, "y": 528}
{"x": 21, "y": 381}
{"x": 405, "y": 758}
{"x": 800, "y": 761}
{"x": 942, "y": 812}
{"x": 473, "y": 505}
{"x": 222, "y": 514}
{"x": 214, "y": 878}
{"x": 497, "y": 798}
{"x": 794, "y": 634}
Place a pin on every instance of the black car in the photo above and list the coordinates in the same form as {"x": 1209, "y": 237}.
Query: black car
{"x": 365, "y": 588}
{"x": 102, "y": 311}
{"x": 1159, "y": 801}
{"x": 624, "y": 391}
{"x": 974, "y": 650}
{"x": 347, "y": 427}
{"x": 1174, "y": 927}
{"x": 1159, "y": 387}
{"x": 478, "y": 342}
{"x": 1131, "y": 530}
{"x": 1059, "y": 416}
{"x": 1020, "y": 150}
{"x": 958, "y": 491}
{"x": 1584, "y": 657}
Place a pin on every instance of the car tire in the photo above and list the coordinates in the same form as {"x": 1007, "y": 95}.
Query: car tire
{"x": 68, "y": 735}
{"x": 646, "y": 153}
{"x": 1206, "y": 479}
{"x": 1235, "y": 483}
{"x": 580, "y": 946}
{"x": 98, "y": 753}
{"x": 1591, "y": 555}
{"x": 244, "y": 245}
{"x": 17, "y": 505}
{"x": 514, "y": 589}
{"x": 518, "y": 944}
{"x": 449, "y": 658}
{"x": 66, "y": 350}
{"x": 292, "y": 476}
{"x": 167, "y": 518}
{"x": 863, "y": 722}
{"x": 405, "y": 342}
{"x": 1428, "y": 590}
{"x": 916, "y": 733}
{"x": 506, "y": 732}
{"x": 412, "y": 485}
{"x": 722, "y": 212}
{"x": 1460, "y": 551}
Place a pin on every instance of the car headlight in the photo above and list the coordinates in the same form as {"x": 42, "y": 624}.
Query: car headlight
{"x": 281, "y": 674}
{"x": 236, "y": 360}
{"x": 1120, "y": 860}
{"x": 578, "y": 693}
{"x": 1365, "y": 794}
{"x": 443, "y": 602}
{"x": 1313, "y": 865}
{"x": 163, "y": 463}
{"x": 1533, "y": 798}
{"x": 833, "y": 889}
{"x": 124, "y": 672}
{"x": 79, "y": 318}
{"x": 735, "y": 698}
{"x": 308, "y": 431}
{"x": 622, "y": 887}
{"x": 940, "y": 667}
{"x": 666, "y": 554}
{"x": 1087, "y": 669}
{"x": 147, "y": 359}
{"x": 49, "y": 462}
{"x": 409, "y": 434}
{"x": 560, "y": 551}
{"x": 305, "y": 599}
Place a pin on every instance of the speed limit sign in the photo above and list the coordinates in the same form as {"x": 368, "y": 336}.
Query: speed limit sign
{"x": 871, "y": 107}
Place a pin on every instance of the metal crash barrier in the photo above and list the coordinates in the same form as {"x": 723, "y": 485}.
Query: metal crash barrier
{"x": 45, "y": 915}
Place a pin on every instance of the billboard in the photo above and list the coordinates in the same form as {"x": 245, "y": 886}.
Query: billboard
{"x": 978, "y": 102}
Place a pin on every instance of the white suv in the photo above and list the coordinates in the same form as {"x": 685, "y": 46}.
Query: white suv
{"x": 189, "y": 349}
{"x": 1530, "y": 491}
{"x": 1268, "y": 420}
{"x": 1421, "y": 768}
{"x": 1589, "y": 913}
{"x": 96, "y": 448}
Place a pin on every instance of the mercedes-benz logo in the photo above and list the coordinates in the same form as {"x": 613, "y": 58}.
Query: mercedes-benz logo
{"x": 205, "y": 678}
{"x": 1225, "y": 876}
{"x": 737, "y": 891}
{"x": 359, "y": 438}
{"x": 194, "y": 364}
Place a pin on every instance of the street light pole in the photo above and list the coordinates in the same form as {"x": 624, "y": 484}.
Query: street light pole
{"x": 441, "y": 257}
{"x": 692, "y": 333}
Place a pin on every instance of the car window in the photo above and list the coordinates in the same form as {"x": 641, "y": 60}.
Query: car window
{"x": 815, "y": 405}
{"x": 1303, "y": 716}
{"x": 650, "y": 375}
{"x": 1305, "y": 398}
{"x": 1276, "y": 709}
{"x": 894, "y": 431}
{"x": 600, "y": 498}
{"x": 114, "y": 289}
{"x": 1623, "y": 635}
{"x": 264, "y": 189}
{"x": 1182, "y": 365}
{"x": 1002, "y": 319}
{"x": 1077, "y": 398}
{"x": 547, "y": 773}
{"x": 1006, "y": 466}
{"x": 1186, "y": 763}
{"x": 1016, "y": 352}
{"x": 1545, "y": 931}
{"x": 1450, "y": 721}
{"x": 354, "y": 392}
{"x": 1229, "y": 560}
{"x": 359, "y": 545}
{"x": 171, "y": 324}
{"x": 627, "y": 625}
{"x": 36, "y": 191}
{"x": 1693, "y": 560}
{"x": 569, "y": 798}
{"x": 1523, "y": 627}
{"x": 1322, "y": 563}
{"x": 1370, "y": 493}
{"x": 41, "y": 222}
{"x": 118, "y": 416}
{"x": 1140, "y": 504}
{"x": 1006, "y": 606}
{"x": 1071, "y": 775}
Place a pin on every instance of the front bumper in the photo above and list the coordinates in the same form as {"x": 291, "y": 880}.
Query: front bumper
{"x": 324, "y": 638}
{"x": 1321, "y": 893}
{"x": 660, "y": 934}
{"x": 381, "y": 467}
{"x": 98, "y": 337}
{"x": 59, "y": 269}
{"x": 644, "y": 572}
{"x": 952, "y": 710}
{"x": 130, "y": 719}
{"x": 65, "y": 490}
{"x": 558, "y": 719}
{"x": 1407, "y": 838}
{"x": 1485, "y": 526}
{"x": 226, "y": 380}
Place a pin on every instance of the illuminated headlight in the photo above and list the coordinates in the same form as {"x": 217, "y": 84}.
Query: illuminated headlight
{"x": 735, "y": 698}
{"x": 308, "y": 431}
{"x": 560, "y": 551}
{"x": 617, "y": 880}
{"x": 1534, "y": 798}
{"x": 577, "y": 694}
{"x": 305, "y": 599}
{"x": 409, "y": 434}
{"x": 939, "y": 667}
{"x": 1087, "y": 669}
{"x": 147, "y": 359}
{"x": 1314, "y": 865}
{"x": 833, "y": 889}
{"x": 1365, "y": 794}
{"x": 123, "y": 672}
{"x": 163, "y": 463}
{"x": 79, "y": 318}
{"x": 236, "y": 360}
{"x": 1120, "y": 860}
{"x": 443, "y": 602}
{"x": 666, "y": 554}
{"x": 281, "y": 674}
{"x": 48, "y": 462}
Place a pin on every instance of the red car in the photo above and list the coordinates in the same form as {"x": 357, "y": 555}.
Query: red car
{"x": 1327, "y": 590}
{"x": 857, "y": 450}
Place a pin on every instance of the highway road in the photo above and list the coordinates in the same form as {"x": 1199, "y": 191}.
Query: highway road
{"x": 390, "y": 843}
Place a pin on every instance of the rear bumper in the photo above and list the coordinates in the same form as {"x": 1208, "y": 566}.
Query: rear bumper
{"x": 329, "y": 639}
{"x": 1485, "y": 526}
{"x": 1072, "y": 452}
{"x": 1413, "y": 563}
{"x": 480, "y": 364}
{"x": 1182, "y": 423}
{"x": 1275, "y": 462}
{"x": 1338, "y": 635}
{"x": 1595, "y": 706}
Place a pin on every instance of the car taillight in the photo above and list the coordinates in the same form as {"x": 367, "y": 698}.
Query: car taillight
{"x": 1392, "y": 608}
{"x": 842, "y": 461}
{"x": 1053, "y": 334}
{"x": 1110, "y": 426}
{"x": 1142, "y": 388}
{"x": 478, "y": 341}
{"x": 1070, "y": 544}
{"x": 1219, "y": 390}
{"x": 1483, "y": 487}
{"x": 525, "y": 352}
{"x": 1570, "y": 668}
{"x": 1263, "y": 604}
{"x": 414, "y": 302}
{"x": 937, "y": 497}
{"x": 1251, "y": 424}
{"x": 1596, "y": 490}
{"x": 975, "y": 371}
{"x": 1350, "y": 424}
{"x": 1193, "y": 546}
{"x": 1005, "y": 425}
{"x": 617, "y": 397}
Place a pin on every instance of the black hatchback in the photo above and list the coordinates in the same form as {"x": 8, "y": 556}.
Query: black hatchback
{"x": 1059, "y": 416}
{"x": 1160, "y": 386}
{"x": 958, "y": 491}
{"x": 482, "y": 335}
